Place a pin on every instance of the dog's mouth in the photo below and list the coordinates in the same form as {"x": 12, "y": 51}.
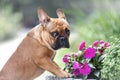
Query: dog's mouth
{"x": 61, "y": 42}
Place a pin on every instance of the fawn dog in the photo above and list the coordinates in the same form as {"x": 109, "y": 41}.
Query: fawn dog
{"x": 35, "y": 53}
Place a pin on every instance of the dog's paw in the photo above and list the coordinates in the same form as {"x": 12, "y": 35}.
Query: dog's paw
{"x": 63, "y": 74}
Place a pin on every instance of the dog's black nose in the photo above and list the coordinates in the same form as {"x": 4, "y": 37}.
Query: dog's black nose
{"x": 62, "y": 38}
{"x": 64, "y": 42}
{"x": 61, "y": 42}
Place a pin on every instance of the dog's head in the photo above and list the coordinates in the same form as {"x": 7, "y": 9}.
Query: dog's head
{"x": 55, "y": 32}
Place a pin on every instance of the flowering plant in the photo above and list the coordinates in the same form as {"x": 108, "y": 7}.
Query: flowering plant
{"x": 87, "y": 61}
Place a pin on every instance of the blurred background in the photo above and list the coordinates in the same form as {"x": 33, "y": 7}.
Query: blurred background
{"x": 89, "y": 20}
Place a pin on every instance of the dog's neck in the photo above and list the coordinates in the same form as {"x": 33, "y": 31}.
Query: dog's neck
{"x": 36, "y": 33}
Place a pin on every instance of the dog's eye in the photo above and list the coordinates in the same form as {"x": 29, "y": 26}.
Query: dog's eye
{"x": 54, "y": 34}
{"x": 67, "y": 31}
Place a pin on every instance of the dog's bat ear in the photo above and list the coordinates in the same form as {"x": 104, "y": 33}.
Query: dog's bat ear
{"x": 60, "y": 13}
{"x": 43, "y": 17}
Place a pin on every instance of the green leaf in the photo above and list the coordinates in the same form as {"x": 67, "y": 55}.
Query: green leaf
{"x": 97, "y": 73}
{"x": 101, "y": 58}
{"x": 92, "y": 66}
{"x": 85, "y": 77}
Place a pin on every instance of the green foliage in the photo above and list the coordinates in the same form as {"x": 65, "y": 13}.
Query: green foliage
{"x": 108, "y": 23}
{"x": 111, "y": 63}
{"x": 9, "y": 22}
{"x": 99, "y": 25}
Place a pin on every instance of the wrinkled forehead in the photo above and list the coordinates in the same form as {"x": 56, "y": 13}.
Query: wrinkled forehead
{"x": 59, "y": 21}
{"x": 57, "y": 24}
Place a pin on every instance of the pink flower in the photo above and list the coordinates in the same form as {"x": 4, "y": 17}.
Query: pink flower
{"x": 75, "y": 54}
{"x": 106, "y": 45}
{"x": 76, "y": 65}
{"x": 95, "y": 44}
{"x": 89, "y": 53}
{"x": 102, "y": 42}
{"x": 85, "y": 70}
{"x": 82, "y": 45}
{"x": 101, "y": 51}
{"x": 76, "y": 72}
{"x": 66, "y": 58}
{"x": 103, "y": 46}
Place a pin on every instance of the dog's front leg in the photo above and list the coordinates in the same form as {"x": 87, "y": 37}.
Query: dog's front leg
{"x": 56, "y": 64}
{"x": 47, "y": 64}
{"x": 54, "y": 61}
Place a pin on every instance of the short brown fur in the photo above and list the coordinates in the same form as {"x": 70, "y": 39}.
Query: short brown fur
{"x": 34, "y": 55}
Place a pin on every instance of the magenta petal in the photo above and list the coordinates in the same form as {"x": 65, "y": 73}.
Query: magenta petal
{"x": 82, "y": 45}
{"x": 89, "y": 53}
{"x": 85, "y": 70}
{"x": 66, "y": 58}
{"x": 95, "y": 43}
{"x": 101, "y": 51}
{"x": 75, "y": 65}
{"x": 106, "y": 44}
{"x": 102, "y": 42}
{"x": 75, "y": 54}
{"x": 76, "y": 72}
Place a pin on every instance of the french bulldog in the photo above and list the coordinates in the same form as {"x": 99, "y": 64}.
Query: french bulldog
{"x": 36, "y": 52}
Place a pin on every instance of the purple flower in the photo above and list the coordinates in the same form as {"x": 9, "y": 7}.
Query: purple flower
{"x": 76, "y": 65}
{"x": 102, "y": 42}
{"x": 101, "y": 51}
{"x": 106, "y": 45}
{"x": 66, "y": 58}
{"x": 76, "y": 72}
{"x": 82, "y": 45}
{"x": 95, "y": 44}
{"x": 85, "y": 70}
{"x": 89, "y": 53}
{"x": 75, "y": 54}
{"x": 103, "y": 46}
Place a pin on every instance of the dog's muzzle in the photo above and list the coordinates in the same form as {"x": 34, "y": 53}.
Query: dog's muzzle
{"x": 61, "y": 42}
